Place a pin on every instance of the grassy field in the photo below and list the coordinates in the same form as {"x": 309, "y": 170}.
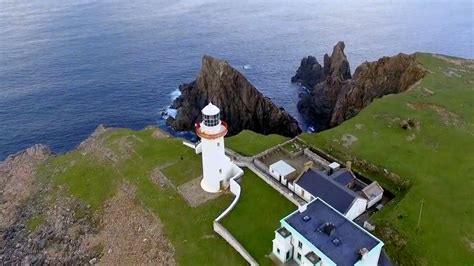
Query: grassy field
{"x": 249, "y": 143}
{"x": 94, "y": 180}
{"x": 256, "y": 216}
{"x": 436, "y": 154}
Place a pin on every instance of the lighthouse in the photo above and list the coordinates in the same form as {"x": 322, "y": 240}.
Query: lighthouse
{"x": 216, "y": 166}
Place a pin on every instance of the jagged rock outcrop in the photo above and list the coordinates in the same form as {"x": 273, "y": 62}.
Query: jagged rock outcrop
{"x": 337, "y": 65}
{"x": 242, "y": 105}
{"x": 340, "y": 97}
{"x": 310, "y": 72}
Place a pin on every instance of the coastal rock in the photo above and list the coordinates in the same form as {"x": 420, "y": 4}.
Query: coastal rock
{"x": 309, "y": 73}
{"x": 242, "y": 105}
{"x": 388, "y": 75}
{"x": 337, "y": 66}
{"x": 340, "y": 97}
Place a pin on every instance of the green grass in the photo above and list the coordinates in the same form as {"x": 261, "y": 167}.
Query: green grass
{"x": 249, "y": 143}
{"x": 33, "y": 223}
{"x": 439, "y": 163}
{"x": 83, "y": 177}
{"x": 256, "y": 216}
{"x": 185, "y": 168}
{"x": 189, "y": 229}
{"x": 294, "y": 146}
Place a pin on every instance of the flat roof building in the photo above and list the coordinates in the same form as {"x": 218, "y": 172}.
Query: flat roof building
{"x": 318, "y": 234}
{"x": 281, "y": 171}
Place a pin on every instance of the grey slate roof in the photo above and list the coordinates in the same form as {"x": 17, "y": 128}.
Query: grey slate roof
{"x": 351, "y": 237}
{"x": 342, "y": 177}
{"x": 321, "y": 186}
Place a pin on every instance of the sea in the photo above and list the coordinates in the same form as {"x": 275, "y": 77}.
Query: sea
{"x": 68, "y": 66}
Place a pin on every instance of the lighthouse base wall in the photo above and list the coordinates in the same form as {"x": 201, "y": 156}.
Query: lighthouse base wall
{"x": 213, "y": 186}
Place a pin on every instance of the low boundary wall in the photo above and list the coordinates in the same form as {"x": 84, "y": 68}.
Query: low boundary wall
{"x": 274, "y": 184}
{"x": 316, "y": 158}
{"x": 219, "y": 229}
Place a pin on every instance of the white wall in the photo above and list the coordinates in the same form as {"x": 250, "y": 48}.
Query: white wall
{"x": 282, "y": 244}
{"x": 274, "y": 173}
{"x": 372, "y": 257}
{"x": 216, "y": 165}
{"x": 303, "y": 193}
{"x": 291, "y": 187}
{"x": 374, "y": 201}
{"x": 358, "y": 207}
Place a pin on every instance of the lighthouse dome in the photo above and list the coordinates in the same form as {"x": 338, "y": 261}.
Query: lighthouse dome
{"x": 210, "y": 109}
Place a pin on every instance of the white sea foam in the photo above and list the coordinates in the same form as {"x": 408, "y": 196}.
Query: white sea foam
{"x": 171, "y": 112}
{"x": 247, "y": 66}
{"x": 175, "y": 94}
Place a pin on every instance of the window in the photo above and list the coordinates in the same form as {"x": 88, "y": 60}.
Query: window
{"x": 278, "y": 250}
{"x": 300, "y": 245}
{"x": 287, "y": 255}
{"x": 302, "y": 193}
{"x": 211, "y": 120}
{"x": 220, "y": 170}
{"x": 218, "y": 144}
{"x": 298, "y": 255}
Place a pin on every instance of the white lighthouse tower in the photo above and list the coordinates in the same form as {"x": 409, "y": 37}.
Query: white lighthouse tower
{"x": 216, "y": 166}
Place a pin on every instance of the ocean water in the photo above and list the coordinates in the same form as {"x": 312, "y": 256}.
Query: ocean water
{"x": 67, "y": 66}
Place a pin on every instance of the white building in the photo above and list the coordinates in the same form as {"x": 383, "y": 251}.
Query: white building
{"x": 281, "y": 171}
{"x": 317, "y": 184}
{"x": 373, "y": 192}
{"x": 216, "y": 166}
{"x": 317, "y": 234}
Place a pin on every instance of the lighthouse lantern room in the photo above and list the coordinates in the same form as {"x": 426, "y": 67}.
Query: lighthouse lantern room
{"x": 216, "y": 166}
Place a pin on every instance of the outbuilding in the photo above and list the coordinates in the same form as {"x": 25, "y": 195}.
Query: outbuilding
{"x": 281, "y": 171}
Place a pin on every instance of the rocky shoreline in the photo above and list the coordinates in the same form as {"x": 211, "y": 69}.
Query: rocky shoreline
{"x": 39, "y": 224}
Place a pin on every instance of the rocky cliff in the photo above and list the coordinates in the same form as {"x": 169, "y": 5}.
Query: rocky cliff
{"x": 339, "y": 97}
{"x": 242, "y": 105}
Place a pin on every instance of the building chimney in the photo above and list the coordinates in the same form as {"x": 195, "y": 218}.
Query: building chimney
{"x": 363, "y": 253}
{"x": 329, "y": 228}
{"x": 303, "y": 207}
{"x": 333, "y": 167}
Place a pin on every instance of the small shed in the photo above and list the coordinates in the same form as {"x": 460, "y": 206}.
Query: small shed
{"x": 281, "y": 171}
{"x": 373, "y": 193}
